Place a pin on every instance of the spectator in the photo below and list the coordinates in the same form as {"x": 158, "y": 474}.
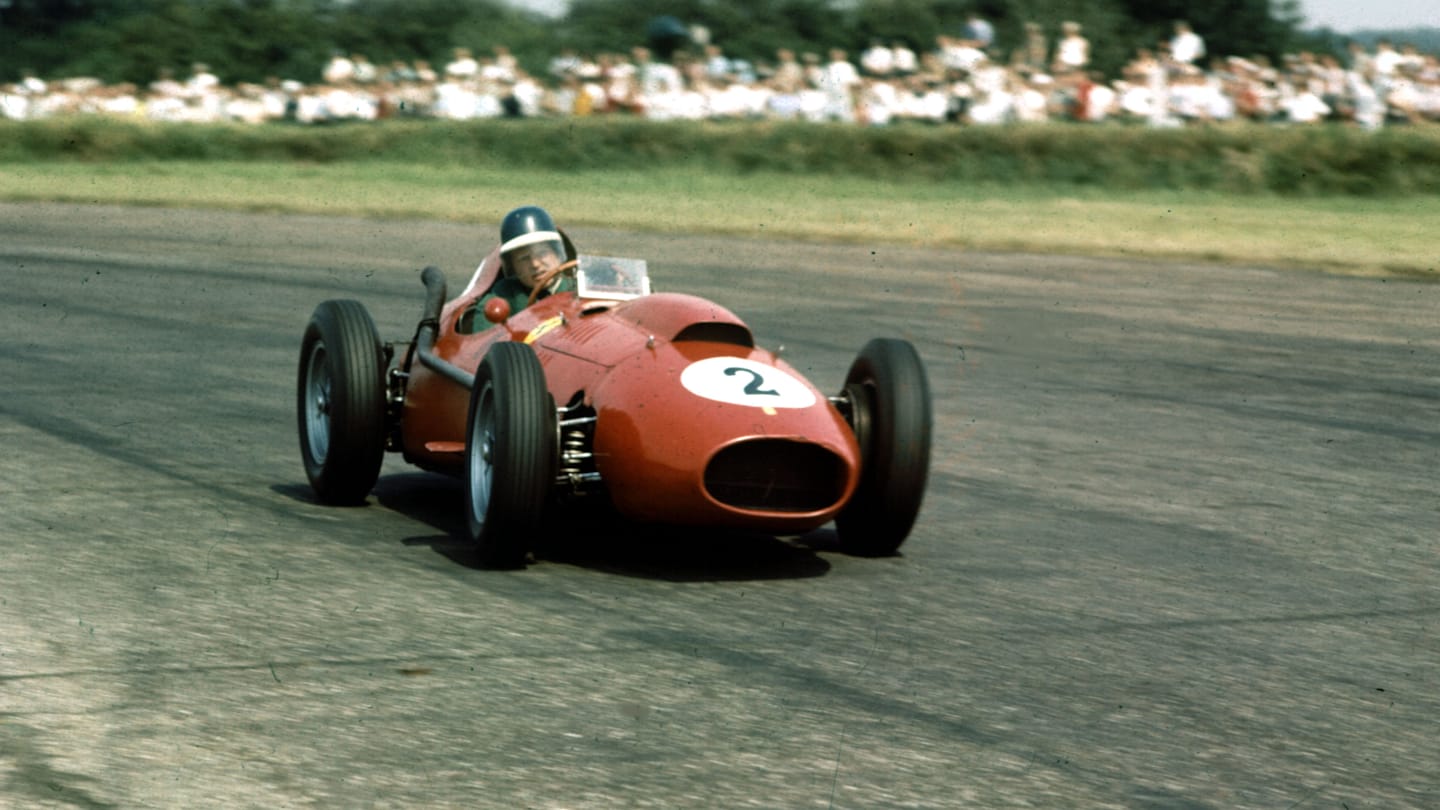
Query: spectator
{"x": 717, "y": 66}
{"x": 993, "y": 101}
{"x": 1367, "y": 108}
{"x": 504, "y": 65}
{"x": 1034, "y": 53}
{"x": 785, "y": 85}
{"x": 1360, "y": 60}
{"x": 1186, "y": 47}
{"x": 1032, "y": 97}
{"x": 657, "y": 85}
{"x": 462, "y": 65}
{"x": 202, "y": 81}
{"x": 31, "y": 84}
{"x": 338, "y": 70}
{"x": 1300, "y": 103}
{"x": 1403, "y": 96}
{"x": 839, "y": 83}
{"x": 565, "y": 63}
{"x": 165, "y": 85}
{"x": 1072, "y": 52}
{"x": 877, "y": 60}
{"x": 955, "y": 77}
{"x": 877, "y": 101}
{"x": 978, "y": 31}
{"x": 14, "y": 103}
{"x": 959, "y": 54}
{"x": 365, "y": 70}
{"x": 905, "y": 61}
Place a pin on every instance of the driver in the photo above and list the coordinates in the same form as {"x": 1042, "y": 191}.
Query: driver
{"x": 531, "y": 249}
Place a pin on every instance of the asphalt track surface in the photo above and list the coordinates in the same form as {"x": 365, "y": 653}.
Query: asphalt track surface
{"x": 1179, "y": 548}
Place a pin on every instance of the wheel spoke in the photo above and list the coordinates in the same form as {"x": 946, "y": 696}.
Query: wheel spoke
{"x": 317, "y": 417}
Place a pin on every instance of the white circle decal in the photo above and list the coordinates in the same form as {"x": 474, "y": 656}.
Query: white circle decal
{"x": 738, "y": 381}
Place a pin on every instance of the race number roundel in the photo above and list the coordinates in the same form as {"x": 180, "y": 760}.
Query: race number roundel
{"x": 738, "y": 381}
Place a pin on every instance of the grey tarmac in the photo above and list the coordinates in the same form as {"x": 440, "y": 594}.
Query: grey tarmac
{"x": 1179, "y": 547}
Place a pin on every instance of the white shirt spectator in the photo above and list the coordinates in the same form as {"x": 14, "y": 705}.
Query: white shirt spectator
{"x": 997, "y": 107}
{"x": 13, "y": 104}
{"x": 657, "y": 78}
{"x": 365, "y": 70}
{"x": 1386, "y": 60}
{"x": 1135, "y": 99}
{"x": 567, "y": 61}
{"x": 506, "y": 62}
{"x": 338, "y": 69}
{"x": 202, "y": 81}
{"x": 529, "y": 94}
{"x": 1369, "y": 108}
{"x": 1186, "y": 47}
{"x": 1032, "y": 103}
{"x": 878, "y": 102}
{"x": 923, "y": 102}
{"x": 957, "y": 54}
{"x": 905, "y": 60}
{"x": 1305, "y": 108}
{"x": 1103, "y": 100}
{"x": 878, "y": 60}
{"x": 1072, "y": 52}
{"x": 462, "y": 66}
{"x": 838, "y": 82}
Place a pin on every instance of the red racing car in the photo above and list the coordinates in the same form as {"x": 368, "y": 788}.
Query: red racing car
{"x": 660, "y": 404}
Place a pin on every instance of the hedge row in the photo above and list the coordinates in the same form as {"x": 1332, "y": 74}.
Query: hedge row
{"x": 1242, "y": 159}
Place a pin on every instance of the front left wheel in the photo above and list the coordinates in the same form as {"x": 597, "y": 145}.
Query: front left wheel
{"x": 341, "y": 402}
{"x": 887, "y": 399}
{"x": 510, "y": 454}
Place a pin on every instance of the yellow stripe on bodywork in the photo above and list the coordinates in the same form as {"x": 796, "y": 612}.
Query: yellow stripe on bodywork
{"x": 544, "y": 328}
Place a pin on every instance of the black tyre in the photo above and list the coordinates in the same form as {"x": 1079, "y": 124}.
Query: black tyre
{"x": 341, "y": 402}
{"x": 510, "y": 454}
{"x": 888, "y": 401}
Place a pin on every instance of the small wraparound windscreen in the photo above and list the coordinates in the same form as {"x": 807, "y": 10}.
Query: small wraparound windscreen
{"x": 610, "y": 278}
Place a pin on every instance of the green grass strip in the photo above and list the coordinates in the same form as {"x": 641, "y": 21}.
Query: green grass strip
{"x": 1339, "y": 234}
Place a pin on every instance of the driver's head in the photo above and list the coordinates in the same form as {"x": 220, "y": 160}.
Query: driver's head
{"x": 529, "y": 244}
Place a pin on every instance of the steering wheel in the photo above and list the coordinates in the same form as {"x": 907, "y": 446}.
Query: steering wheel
{"x": 546, "y": 278}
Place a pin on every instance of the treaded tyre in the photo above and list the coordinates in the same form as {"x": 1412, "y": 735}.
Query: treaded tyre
{"x": 510, "y": 454}
{"x": 888, "y": 398}
{"x": 341, "y": 402}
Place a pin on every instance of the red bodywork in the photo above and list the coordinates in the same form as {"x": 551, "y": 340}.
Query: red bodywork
{"x": 664, "y": 453}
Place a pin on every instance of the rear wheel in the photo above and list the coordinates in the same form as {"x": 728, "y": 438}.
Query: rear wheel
{"x": 888, "y": 399}
{"x": 509, "y": 454}
{"x": 341, "y": 402}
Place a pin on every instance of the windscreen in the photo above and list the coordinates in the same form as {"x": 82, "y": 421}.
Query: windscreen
{"x": 611, "y": 278}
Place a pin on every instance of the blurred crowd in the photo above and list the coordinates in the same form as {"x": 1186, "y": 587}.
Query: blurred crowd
{"x": 964, "y": 78}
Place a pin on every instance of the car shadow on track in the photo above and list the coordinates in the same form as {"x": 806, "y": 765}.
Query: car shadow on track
{"x": 595, "y": 538}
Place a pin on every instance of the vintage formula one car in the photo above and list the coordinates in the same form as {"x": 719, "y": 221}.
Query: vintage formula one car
{"x": 657, "y": 404}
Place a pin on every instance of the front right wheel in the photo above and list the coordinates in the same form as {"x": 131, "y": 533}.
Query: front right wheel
{"x": 887, "y": 396}
{"x": 510, "y": 454}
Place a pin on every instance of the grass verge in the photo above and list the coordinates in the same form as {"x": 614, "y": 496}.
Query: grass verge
{"x": 1337, "y": 234}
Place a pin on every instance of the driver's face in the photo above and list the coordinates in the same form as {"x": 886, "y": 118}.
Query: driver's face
{"x": 530, "y": 261}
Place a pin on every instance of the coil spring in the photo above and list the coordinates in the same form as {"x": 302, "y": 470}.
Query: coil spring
{"x": 573, "y": 452}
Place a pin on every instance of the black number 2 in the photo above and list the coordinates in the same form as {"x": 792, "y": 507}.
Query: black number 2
{"x": 753, "y": 387}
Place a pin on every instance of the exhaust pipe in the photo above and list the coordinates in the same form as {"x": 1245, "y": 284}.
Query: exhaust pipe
{"x": 434, "y": 280}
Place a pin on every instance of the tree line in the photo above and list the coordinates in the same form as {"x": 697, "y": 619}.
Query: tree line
{"x": 251, "y": 40}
